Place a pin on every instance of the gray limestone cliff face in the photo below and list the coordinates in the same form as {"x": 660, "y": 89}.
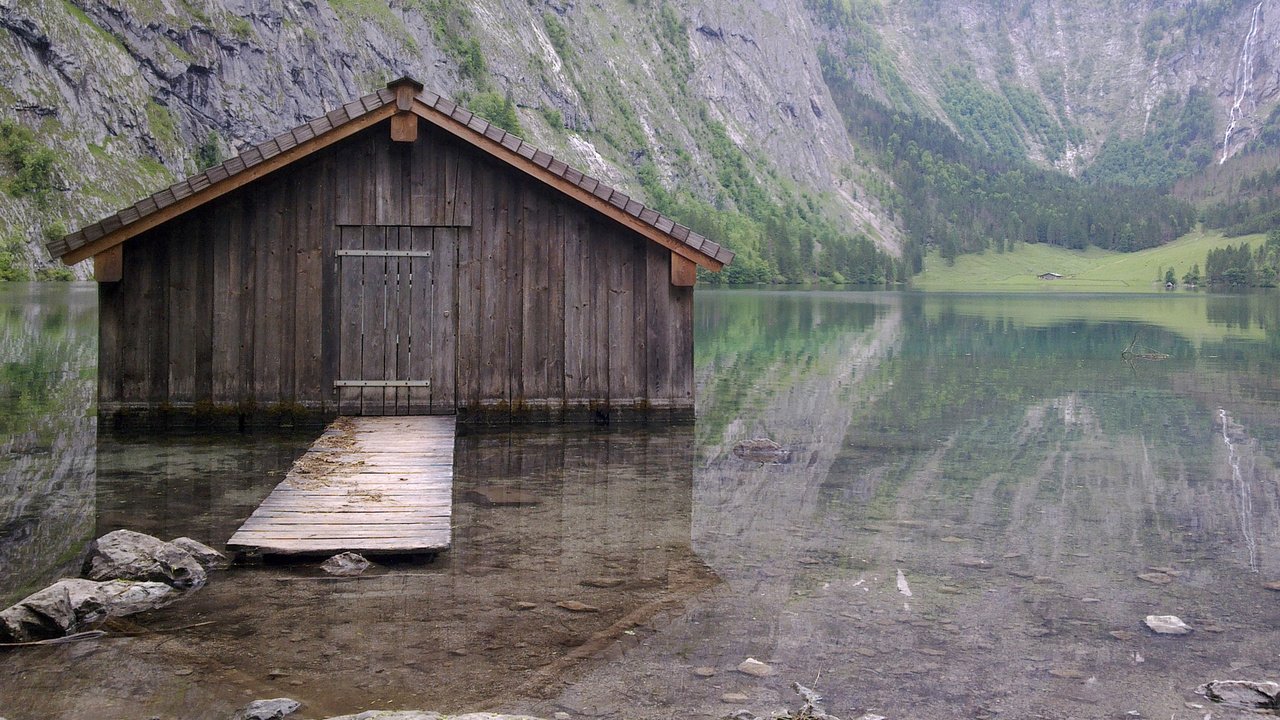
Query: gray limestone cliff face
{"x": 1097, "y": 66}
{"x": 125, "y": 92}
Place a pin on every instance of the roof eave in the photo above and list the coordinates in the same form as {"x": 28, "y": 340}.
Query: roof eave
{"x": 217, "y": 189}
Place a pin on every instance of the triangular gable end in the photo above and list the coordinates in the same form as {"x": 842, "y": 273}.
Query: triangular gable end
{"x": 403, "y": 101}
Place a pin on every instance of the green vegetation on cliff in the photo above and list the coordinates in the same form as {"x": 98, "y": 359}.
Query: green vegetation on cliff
{"x": 961, "y": 198}
{"x": 1180, "y": 141}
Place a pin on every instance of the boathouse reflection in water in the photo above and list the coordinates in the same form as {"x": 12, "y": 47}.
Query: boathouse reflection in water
{"x": 569, "y": 545}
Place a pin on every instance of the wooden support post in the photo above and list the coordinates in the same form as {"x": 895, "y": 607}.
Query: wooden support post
{"x": 108, "y": 265}
{"x": 684, "y": 272}
{"x": 404, "y": 124}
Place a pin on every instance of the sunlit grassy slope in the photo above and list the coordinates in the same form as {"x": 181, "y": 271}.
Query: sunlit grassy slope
{"x": 1091, "y": 270}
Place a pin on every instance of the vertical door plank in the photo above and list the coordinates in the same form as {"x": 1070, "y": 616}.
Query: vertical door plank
{"x": 397, "y": 299}
{"x": 374, "y": 301}
{"x": 418, "y": 321}
{"x": 350, "y": 362}
{"x": 330, "y": 317}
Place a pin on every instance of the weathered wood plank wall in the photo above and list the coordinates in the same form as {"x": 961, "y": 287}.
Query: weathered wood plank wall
{"x": 533, "y": 305}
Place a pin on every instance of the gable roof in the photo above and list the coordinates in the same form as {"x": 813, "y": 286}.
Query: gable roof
{"x": 358, "y": 115}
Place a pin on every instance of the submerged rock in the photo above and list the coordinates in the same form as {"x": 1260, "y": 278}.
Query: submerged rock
{"x": 754, "y": 668}
{"x": 208, "y": 558}
{"x": 129, "y": 555}
{"x": 762, "y": 450}
{"x": 273, "y": 709}
{"x": 1243, "y": 694}
{"x": 347, "y": 564}
{"x": 1167, "y": 624}
{"x": 74, "y": 605}
{"x": 577, "y": 607}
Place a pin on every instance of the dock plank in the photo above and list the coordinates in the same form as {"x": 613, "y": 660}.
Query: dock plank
{"x": 368, "y": 484}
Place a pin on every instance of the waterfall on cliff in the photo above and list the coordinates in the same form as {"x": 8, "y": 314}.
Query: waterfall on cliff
{"x": 1243, "y": 84}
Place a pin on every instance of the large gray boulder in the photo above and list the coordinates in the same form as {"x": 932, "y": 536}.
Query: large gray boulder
{"x": 129, "y": 555}
{"x": 208, "y": 558}
{"x": 74, "y": 605}
{"x": 65, "y": 607}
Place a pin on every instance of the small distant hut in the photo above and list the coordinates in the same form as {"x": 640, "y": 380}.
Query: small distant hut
{"x": 1049, "y": 276}
{"x": 397, "y": 255}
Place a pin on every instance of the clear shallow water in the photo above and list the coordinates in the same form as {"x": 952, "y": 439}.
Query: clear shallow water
{"x": 995, "y": 450}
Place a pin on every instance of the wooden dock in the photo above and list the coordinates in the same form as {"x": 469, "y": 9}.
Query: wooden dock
{"x": 376, "y": 485}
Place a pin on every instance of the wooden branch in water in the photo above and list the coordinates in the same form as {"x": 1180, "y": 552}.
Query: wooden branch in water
{"x": 1129, "y": 354}
{"x": 87, "y": 635}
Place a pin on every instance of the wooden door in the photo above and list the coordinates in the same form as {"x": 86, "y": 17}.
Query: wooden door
{"x": 396, "y": 330}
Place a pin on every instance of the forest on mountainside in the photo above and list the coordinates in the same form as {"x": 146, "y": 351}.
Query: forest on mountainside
{"x": 962, "y": 198}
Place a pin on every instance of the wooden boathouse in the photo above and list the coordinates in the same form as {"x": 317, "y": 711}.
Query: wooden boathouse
{"x": 396, "y": 256}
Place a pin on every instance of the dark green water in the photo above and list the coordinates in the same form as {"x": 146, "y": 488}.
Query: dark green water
{"x": 993, "y": 456}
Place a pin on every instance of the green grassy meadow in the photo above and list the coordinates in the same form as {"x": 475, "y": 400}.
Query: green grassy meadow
{"x": 1091, "y": 270}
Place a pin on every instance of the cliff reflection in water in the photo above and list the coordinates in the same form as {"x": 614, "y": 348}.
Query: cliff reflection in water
{"x": 48, "y": 341}
{"x": 981, "y": 503}
{"x": 1038, "y": 496}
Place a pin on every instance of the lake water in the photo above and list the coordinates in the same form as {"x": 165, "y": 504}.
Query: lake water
{"x": 975, "y": 486}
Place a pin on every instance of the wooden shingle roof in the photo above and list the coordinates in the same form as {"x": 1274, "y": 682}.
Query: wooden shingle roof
{"x": 355, "y": 116}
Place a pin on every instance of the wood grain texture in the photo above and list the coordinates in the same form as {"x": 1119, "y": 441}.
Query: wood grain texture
{"x": 530, "y": 303}
{"x": 366, "y": 502}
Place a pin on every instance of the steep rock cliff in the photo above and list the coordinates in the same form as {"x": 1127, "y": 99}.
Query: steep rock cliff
{"x": 127, "y": 94}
